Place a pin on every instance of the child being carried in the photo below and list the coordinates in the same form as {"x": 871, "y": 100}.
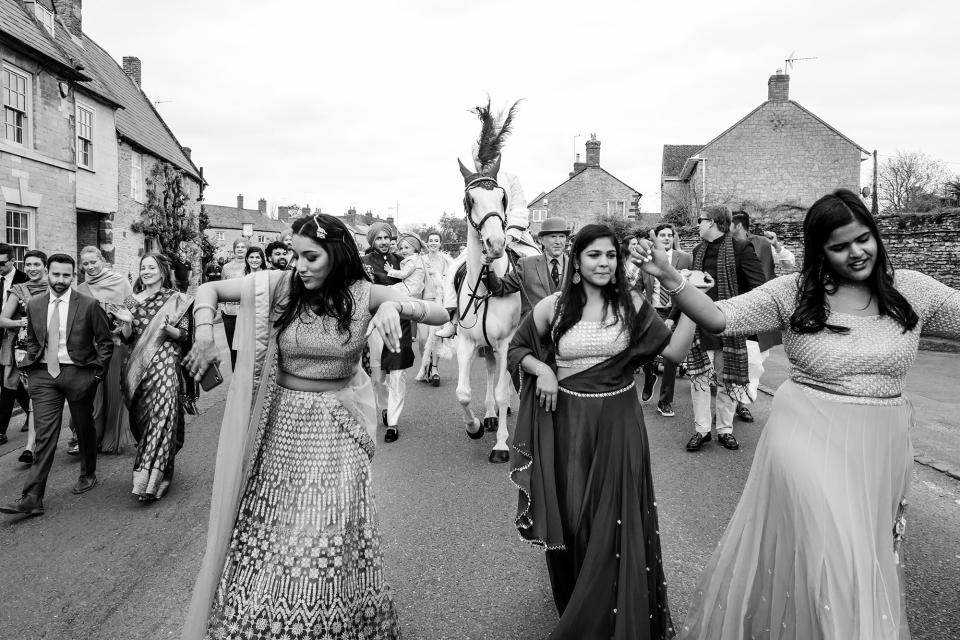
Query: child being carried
{"x": 412, "y": 271}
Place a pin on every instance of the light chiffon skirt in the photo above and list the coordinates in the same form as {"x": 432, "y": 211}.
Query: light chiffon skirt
{"x": 811, "y": 552}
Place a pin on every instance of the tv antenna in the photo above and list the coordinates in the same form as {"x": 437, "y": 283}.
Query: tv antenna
{"x": 788, "y": 62}
{"x": 156, "y": 102}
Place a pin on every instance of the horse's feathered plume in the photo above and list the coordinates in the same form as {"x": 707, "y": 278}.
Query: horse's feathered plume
{"x": 494, "y": 132}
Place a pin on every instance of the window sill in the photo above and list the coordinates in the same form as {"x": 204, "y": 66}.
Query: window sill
{"x": 87, "y": 169}
{"x": 22, "y": 151}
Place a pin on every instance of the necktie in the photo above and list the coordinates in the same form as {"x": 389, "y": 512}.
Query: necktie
{"x": 664, "y": 296}
{"x": 53, "y": 341}
{"x": 555, "y": 272}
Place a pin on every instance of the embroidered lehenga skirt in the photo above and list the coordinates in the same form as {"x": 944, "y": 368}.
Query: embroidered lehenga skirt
{"x": 811, "y": 552}
{"x": 304, "y": 559}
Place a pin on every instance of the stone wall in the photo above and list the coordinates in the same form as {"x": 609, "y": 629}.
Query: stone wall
{"x": 583, "y": 199}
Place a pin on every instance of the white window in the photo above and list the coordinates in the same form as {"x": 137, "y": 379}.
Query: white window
{"x": 260, "y": 239}
{"x": 617, "y": 208}
{"x": 219, "y": 236}
{"x": 45, "y": 16}
{"x": 247, "y": 230}
{"x": 18, "y": 233}
{"x": 16, "y": 104}
{"x": 538, "y": 215}
{"x": 136, "y": 177}
{"x": 84, "y": 136}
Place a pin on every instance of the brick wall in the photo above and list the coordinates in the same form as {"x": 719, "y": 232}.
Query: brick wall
{"x": 929, "y": 243}
{"x": 583, "y": 199}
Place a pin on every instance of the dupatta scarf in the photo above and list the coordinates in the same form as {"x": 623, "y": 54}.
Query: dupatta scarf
{"x": 175, "y": 307}
{"x": 240, "y": 434}
{"x": 107, "y": 287}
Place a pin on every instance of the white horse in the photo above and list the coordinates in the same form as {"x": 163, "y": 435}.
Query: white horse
{"x": 485, "y": 321}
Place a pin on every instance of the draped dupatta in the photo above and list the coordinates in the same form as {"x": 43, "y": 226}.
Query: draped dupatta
{"x": 240, "y": 435}
{"x": 175, "y": 307}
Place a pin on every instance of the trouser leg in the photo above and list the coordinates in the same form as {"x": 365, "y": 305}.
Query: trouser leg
{"x": 755, "y": 360}
{"x": 375, "y": 343}
{"x": 397, "y": 393}
{"x": 7, "y": 399}
{"x": 48, "y": 416}
{"x": 79, "y": 388}
{"x": 701, "y": 398}
{"x": 726, "y": 405}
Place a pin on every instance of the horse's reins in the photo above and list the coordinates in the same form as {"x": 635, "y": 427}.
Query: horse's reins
{"x": 474, "y": 299}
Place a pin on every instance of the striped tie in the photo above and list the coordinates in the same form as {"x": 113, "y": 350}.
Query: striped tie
{"x": 664, "y": 296}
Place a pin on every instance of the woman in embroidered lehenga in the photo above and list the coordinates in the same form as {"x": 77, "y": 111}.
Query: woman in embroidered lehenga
{"x": 812, "y": 548}
{"x": 292, "y": 548}
{"x": 583, "y": 463}
{"x": 156, "y": 320}
{"x": 111, "y": 290}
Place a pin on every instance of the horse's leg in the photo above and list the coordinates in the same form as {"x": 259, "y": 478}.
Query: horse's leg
{"x": 501, "y": 452}
{"x": 490, "y": 400}
{"x": 466, "y": 352}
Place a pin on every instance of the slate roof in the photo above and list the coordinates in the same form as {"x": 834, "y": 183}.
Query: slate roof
{"x": 96, "y": 84}
{"x": 221, "y": 217}
{"x": 675, "y": 155}
{"x": 531, "y": 203}
{"x": 16, "y": 23}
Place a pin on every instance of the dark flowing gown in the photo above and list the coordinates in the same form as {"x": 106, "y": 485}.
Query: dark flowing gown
{"x": 586, "y": 491}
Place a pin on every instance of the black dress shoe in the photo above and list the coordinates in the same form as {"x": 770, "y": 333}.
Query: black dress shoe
{"x": 649, "y": 382}
{"x": 728, "y": 441}
{"x": 85, "y": 483}
{"x": 743, "y": 413}
{"x": 391, "y": 434}
{"x": 26, "y": 457}
{"x": 27, "y": 505}
{"x": 697, "y": 441}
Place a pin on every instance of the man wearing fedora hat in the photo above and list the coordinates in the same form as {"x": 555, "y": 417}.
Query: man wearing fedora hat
{"x": 536, "y": 277}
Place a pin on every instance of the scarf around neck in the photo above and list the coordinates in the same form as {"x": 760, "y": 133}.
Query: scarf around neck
{"x": 108, "y": 286}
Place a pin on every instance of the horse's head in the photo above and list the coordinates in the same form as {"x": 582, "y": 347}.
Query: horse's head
{"x": 485, "y": 204}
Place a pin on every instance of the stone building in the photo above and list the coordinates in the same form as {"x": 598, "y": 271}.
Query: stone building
{"x": 226, "y": 224}
{"x": 589, "y": 193}
{"x": 76, "y": 162}
{"x": 780, "y": 155}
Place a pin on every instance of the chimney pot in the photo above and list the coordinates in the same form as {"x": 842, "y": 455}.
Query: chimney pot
{"x": 70, "y": 13}
{"x": 240, "y": 201}
{"x": 262, "y": 206}
{"x": 593, "y": 151}
{"x": 132, "y": 67}
{"x": 778, "y": 87}
{"x": 187, "y": 151}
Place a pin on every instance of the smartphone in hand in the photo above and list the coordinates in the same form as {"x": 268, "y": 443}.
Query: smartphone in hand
{"x": 211, "y": 377}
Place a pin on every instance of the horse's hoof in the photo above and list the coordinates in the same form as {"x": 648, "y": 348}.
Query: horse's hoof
{"x": 478, "y": 434}
{"x": 498, "y": 457}
{"x": 491, "y": 424}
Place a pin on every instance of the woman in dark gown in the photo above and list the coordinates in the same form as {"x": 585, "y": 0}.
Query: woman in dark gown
{"x": 583, "y": 469}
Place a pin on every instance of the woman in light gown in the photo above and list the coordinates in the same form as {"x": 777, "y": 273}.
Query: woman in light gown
{"x": 293, "y": 549}
{"x": 812, "y": 550}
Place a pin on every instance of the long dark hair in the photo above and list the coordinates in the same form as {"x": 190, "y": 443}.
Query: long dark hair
{"x": 817, "y": 279}
{"x": 263, "y": 259}
{"x": 163, "y": 264}
{"x": 616, "y": 295}
{"x": 333, "y": 298}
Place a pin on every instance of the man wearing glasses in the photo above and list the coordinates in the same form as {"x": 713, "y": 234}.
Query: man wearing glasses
{"x": 734, "y": 266}
{"x": 12, "y": 390}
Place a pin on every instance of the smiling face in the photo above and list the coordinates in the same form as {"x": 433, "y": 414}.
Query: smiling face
{"x": 381, "y": 243}
{"x": 553, "y": 244}
{"x": 313, "y": 261}
{"x": 239, "y": 249}
{"x": 433, "y": 242}
{"x": 34, "y": 268}
{"x": 91, "y": 263}
{"x": 597, "y": 263}
{"x": 665, "y": 238}
{"x": 150, "y": 273}
{"x": 254, "y": 261}
{"x": 405, "y": 248}
{"x": 851, "y": 251}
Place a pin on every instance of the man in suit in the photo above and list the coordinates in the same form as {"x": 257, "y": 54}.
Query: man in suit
{"x": 758, "y": 346}
{"x": 660, "y": 299}
{"x": 536, "y": 277}
{"x": 68, "y": 347}
{"x": 714, "y": 226}
{"x": 12, "y": 390}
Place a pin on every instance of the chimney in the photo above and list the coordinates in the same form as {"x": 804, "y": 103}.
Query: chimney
{"x": 131, "y": 66}
{"x": 778, "y": 87}
{"x": 240, "y": 201}
{"x": 593, "y": 151}
{"x": 187, "y": 151}
{"x": 262, "y": 206}
{"x": 69, "y": 12}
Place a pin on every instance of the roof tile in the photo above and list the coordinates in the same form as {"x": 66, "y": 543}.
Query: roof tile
{"x": 223, "y": 217}
{"x": 675, "y": 155}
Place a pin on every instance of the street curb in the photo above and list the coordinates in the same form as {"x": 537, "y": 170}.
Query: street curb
{"x": 925, "y": 460}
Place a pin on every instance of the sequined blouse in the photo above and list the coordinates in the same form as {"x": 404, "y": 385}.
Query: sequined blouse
{"x": 872, "y": 359}
{"x": 588, "y": 343}
{"x": 312, "y": 346}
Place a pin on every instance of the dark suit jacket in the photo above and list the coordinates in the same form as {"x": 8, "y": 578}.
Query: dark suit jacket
{"x": 679, "y": 260}
{"x": 89, "y": 342}
{"x": 531, "y": 278}
{"x": 764, "y": 251}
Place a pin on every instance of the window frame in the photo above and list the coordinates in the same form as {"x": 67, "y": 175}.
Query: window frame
{"x": 219, "y": 236}
{"x": 45, "y": 17}
{"x": 26, "y": 113}
{"x": 537, "y": 215}
{"x": 85, "y": 144}
{"x": 138, "y": 190}
{"x": 619, "y": 204}
{"x": 22, "y": 244}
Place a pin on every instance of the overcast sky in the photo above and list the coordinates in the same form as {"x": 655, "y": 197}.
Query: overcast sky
{"x": 365, "y": 104}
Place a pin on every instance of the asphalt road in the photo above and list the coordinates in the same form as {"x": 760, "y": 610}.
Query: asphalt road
{"x": 104, "y": 566}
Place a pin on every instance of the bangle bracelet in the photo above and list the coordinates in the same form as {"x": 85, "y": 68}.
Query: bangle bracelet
{"x": 198, "y": 307}
{"x": 200, "y": 324}
{"x": 673, "y": 292}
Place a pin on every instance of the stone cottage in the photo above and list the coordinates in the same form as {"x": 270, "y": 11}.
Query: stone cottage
{"x": 780, "y": 155}
{"x": 226, "y": 224}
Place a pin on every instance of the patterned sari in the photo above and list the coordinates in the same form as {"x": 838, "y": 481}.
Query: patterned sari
{"x": 152, "y": 388}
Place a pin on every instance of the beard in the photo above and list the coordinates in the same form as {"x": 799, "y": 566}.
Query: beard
{"x": 59, "y": 287}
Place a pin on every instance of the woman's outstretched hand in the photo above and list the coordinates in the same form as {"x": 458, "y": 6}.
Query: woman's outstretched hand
{"x": 387, "y": 321}
{"x": 202, "y": 355}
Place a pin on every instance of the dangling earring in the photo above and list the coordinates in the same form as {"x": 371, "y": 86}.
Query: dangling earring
{"x": 576, "y": 277}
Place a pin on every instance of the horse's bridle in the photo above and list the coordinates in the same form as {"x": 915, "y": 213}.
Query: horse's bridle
{"x": 485, "y": 182}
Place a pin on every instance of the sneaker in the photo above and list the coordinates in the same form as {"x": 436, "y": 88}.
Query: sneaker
{"x": 649, "y": 382}
{"x": 665, "y": 409}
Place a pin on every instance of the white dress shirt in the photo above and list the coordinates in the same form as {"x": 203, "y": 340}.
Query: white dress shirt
{"x": 7, "y": 283}
{"x": 62, "y": 356}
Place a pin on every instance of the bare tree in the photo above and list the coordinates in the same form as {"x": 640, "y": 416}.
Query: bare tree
{"x": 909, "y": 179}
